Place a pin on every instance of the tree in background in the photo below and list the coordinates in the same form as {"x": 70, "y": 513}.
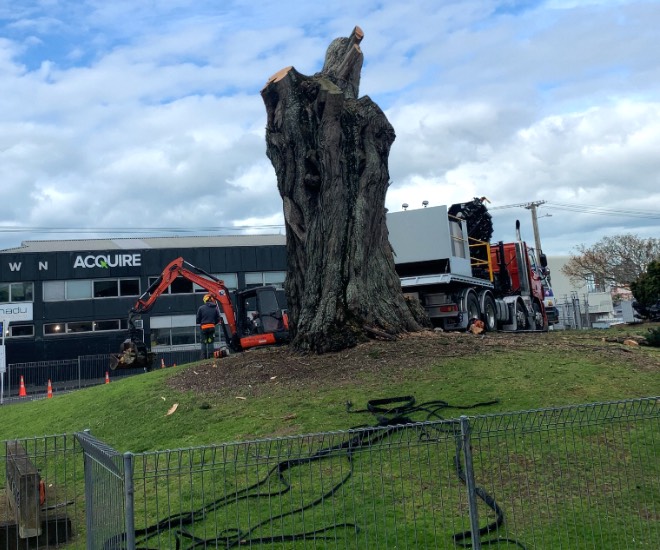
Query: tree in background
{"x": 613, "y": 261}
{"x": 646, "y": 289}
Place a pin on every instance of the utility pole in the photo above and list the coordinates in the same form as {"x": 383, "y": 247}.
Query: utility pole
{"x": 535, "y": 226}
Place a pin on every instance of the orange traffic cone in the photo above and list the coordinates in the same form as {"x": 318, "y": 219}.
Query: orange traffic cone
{"x": 21, "y": 391}
{"x": 162, "y": 363}
{"x": 107, "y": 377}
{"x": 50, "y": 390}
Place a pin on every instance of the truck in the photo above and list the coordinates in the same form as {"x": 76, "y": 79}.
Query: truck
{"x": 444, "y": 258}
{"x": 253, "y": 319}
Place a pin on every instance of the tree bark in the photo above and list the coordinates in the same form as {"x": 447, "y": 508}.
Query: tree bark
{"x": 330, "y": 153}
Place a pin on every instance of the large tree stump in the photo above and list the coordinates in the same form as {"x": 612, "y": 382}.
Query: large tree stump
{"x": 330, "y": 153}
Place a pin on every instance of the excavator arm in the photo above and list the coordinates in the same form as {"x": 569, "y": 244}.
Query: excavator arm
{"x": 134, "y": 352}
{"x": 182, "y": 268}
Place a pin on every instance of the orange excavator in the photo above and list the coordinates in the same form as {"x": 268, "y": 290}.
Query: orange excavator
{"x": 256, "y": 318}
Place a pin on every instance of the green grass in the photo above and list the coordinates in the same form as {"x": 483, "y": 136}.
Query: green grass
{"x": 130, "y": 414}
{"x": 404, "y": 488}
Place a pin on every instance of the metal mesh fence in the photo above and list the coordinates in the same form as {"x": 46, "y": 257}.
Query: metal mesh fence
{"x": 84, "y": 371}
{"x": 371, "y": 488}
{"x": 42, "y": 483}
{"x": 106, "y": 483}
{"x": 576, "y": 477}
{"x": 65, "y": 375}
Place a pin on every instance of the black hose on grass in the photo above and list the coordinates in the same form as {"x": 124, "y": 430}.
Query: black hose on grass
{"x": 398, "y": 411}
{"x": 393, "y": 414}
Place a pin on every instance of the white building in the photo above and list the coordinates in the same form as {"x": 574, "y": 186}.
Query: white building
{"x": 582, "y": 305}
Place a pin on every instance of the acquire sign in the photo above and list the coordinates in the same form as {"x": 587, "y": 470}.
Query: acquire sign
{"x": 108, "y": 260}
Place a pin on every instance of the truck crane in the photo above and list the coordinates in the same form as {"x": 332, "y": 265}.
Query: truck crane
{"x": 240, "y": 331}
{"x": 444, "y": 258}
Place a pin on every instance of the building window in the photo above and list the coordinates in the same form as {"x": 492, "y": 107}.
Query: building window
{"x": 151, "y": 282}
{"x": 590, "y": 281}
{"x": 54, "y": 329}
{"x": 174, "y": 336}
{"x": 106, "y": 289}
{"x": 129, "y": 287}
{"x": 85, "y": 289}
{"x": 183, "y": 335}
{"x": 229, "y": 279}
{"x": 275, "y": 278}
{"x": 179, "y": 285}
{"x": 78, "y": 289}
{"x": 177, "y": 330}
{"x": 160, "y": 337}
{"x": 79, "y": 326}
{"x": 261, "y": 278}
{"x": 54, "y": 291}
{"x": 18, "y": 331}
{"x": 106, "y": 325}
{"x": 16, "y": 292}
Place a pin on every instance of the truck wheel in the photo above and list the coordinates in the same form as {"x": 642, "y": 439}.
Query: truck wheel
{"x": 472, "y": 307}
{"x": 521, "y": 316}
{"x": 539, "y": 323}
{"x": 490, "y": 314}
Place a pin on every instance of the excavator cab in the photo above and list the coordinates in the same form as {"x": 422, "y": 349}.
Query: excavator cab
{"x": 260, "y": 318}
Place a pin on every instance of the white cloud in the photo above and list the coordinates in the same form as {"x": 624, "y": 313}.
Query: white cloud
{"x": 603, "y": 156}
{"x": 129, "y": 114}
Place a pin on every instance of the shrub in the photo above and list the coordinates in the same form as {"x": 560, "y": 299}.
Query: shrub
{"x": 653, "y": 338}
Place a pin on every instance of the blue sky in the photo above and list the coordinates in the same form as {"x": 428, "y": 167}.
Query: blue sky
{"x": 146, "y": 114}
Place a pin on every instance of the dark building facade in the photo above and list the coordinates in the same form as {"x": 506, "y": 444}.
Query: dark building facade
{"x": 64, "y": 299}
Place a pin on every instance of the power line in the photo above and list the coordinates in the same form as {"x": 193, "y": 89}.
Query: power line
{"x": 587, "y": 209}
{"x": 518, "y": 205}
{"x": 601, "y": 210}
{"x": 136, "y": 230}
{"x": 577, "y": 208}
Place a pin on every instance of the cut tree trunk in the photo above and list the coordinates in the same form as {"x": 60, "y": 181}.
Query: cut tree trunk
{"x": 330, "y": 153}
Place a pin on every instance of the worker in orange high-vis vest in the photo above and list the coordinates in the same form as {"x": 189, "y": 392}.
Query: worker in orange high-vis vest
{"x": 208, "y": 316}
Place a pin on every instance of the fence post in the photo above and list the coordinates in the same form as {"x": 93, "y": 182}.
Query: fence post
{"x": 129, "y": 502}
{"x": 89, "y": 495}
{"x": 469, "y": 482}
{"x": 8, "y": 388}
{"x": 79, "y": 374}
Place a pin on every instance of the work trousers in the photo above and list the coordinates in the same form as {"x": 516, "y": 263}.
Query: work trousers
{"x": 208, "y": 337}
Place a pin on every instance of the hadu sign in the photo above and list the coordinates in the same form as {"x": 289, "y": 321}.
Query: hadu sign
{"x": 16, "y": 311}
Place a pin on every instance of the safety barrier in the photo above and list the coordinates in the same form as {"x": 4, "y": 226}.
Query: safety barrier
{"x": 72, "y": 374}
{"x": 585, "y": 476}
{"x": 107, "y": 495}
{"x": 52, "y": 492}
